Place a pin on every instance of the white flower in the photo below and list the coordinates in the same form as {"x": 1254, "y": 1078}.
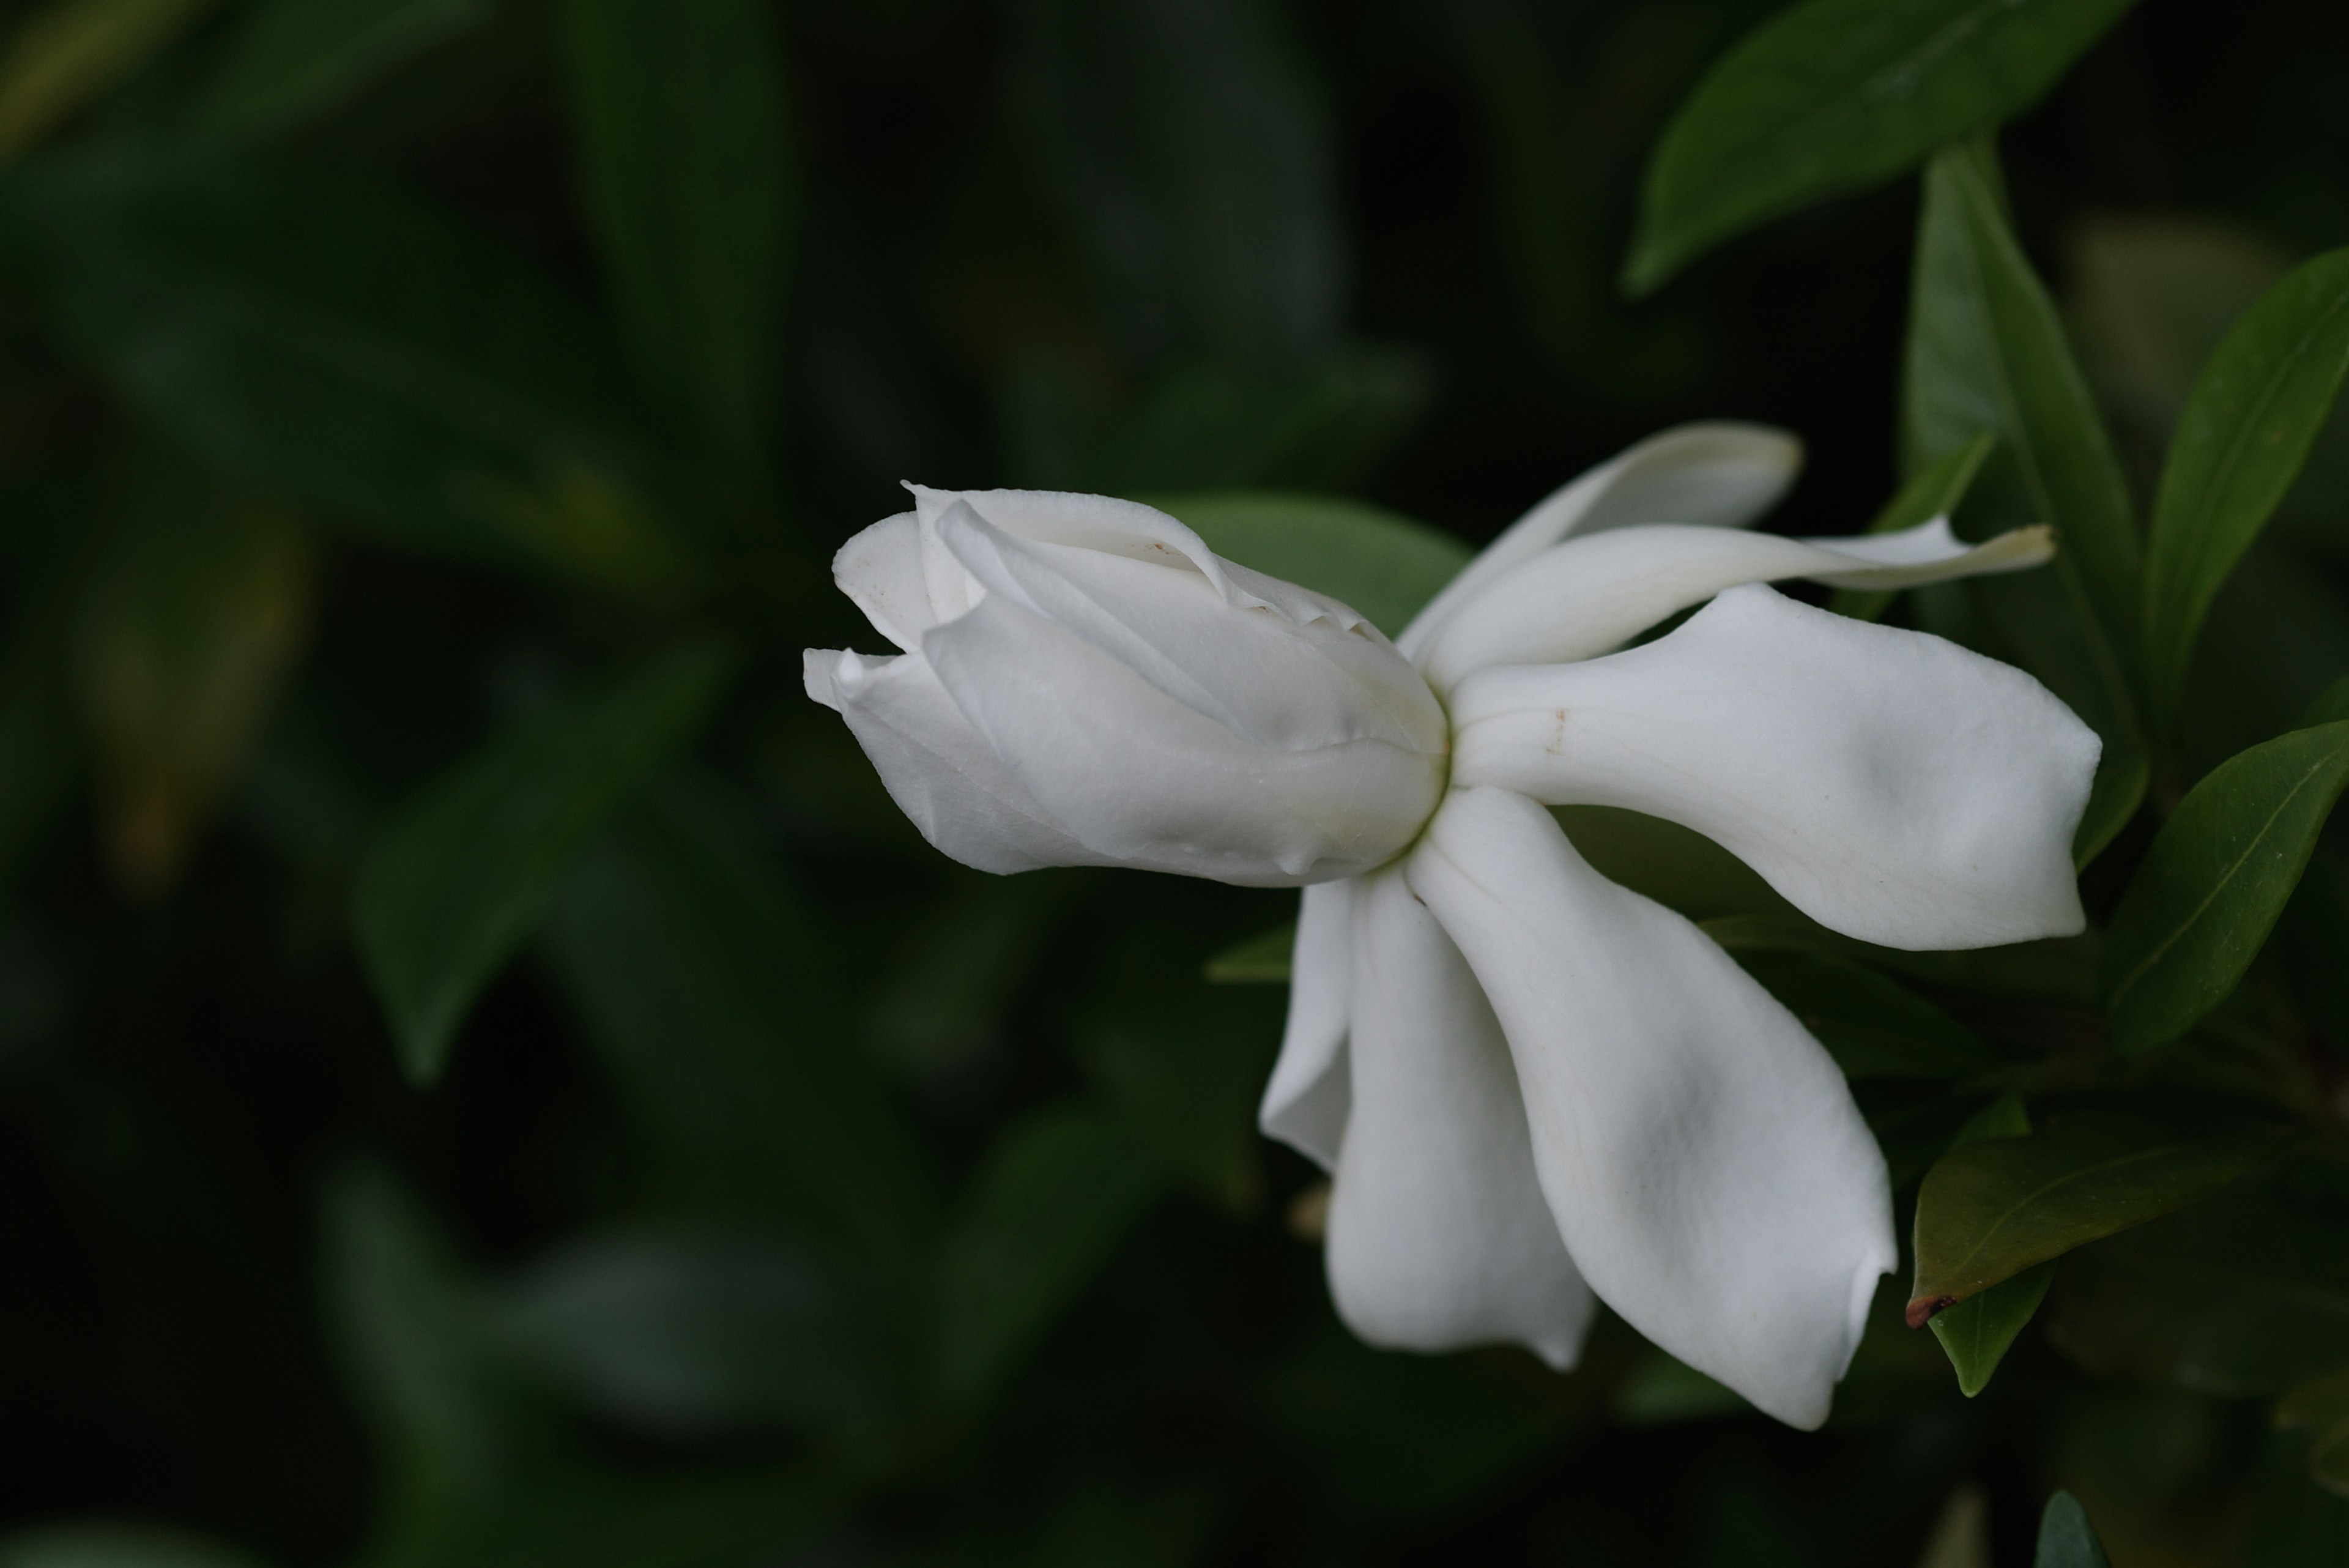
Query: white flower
{"x": 1534, "y": 1089}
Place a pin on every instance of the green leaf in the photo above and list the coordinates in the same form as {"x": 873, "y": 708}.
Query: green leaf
{"x": 1374, "y": 561}
{"x": 2256, "y": 410}
{"x": 462, "y": 877}
{"x": 2061, "y": 970}
{"x": 1934, "y": 493}
{"x": 2321, "y": 1409}
{"x": 1873, "y": 1027}
{"x": 103, "y": 1545}
{"x": 1831, "y": 97}
{"x": 337, "y": 342}
{"x": 1259, "y": 960}
{"x": 1976, "y": 1332}
{"x": 1986, "y": 353}
{"x": 1051, "y": 1200}
{"x": 712, "y": 996}
{"x": 2066, "y": 1539}
{"x": 2216, "y": 878}
{"x": 686, "y": 169}
{"x": 1992, "y": 1209}
{"x": 72, "y": 51}
{"x": 291, "y": 60}
{"x": 1675, "y": 865}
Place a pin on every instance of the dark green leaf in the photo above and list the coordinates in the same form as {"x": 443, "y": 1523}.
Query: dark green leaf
{"x": 2257, "y": 410}
{"x": 71, "y": 51}
{"x": 457, "y": 882}
{"x": 714, "y": 999}
{"x": 98, "y": 1545}
{"x": 963, "y": 964}
{"x": 1934, "y": 493}
{"x": 1050, "y": 1202}
{"x": 1675, "y": 865}
{"x": 1259, "y": 960}
{"x": 1872, "y": 1026}
{"x": 1834, "y": 96}
{"x": 290, "y": 59}
{"x": 337, "y": 342}
{"x": 2060, "y": 970}
{"x": 679, "y": 115}
{"x": 1992, "y": 1209}
{"x": 1374, "y": 561}
{"x": 1986, "y": 352}
{"x": 2216, "y": 879}
{"x": 2066, "y": 1539}
{"x": 1663, "y": 1392}
{"x": 2321, "y": 1409}
{"x": 1977, "y": 1332}
{"x": 2239, "y": 1297}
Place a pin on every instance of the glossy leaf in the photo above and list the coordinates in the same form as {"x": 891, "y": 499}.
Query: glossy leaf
{"x": 685, "y": 170}
{"x": 1986, "y": 352}
{"x": 454, "y": 885}
{"x": 1833, "y": 96}
{"x": 2215, "y": 881}
{"x": 1934, "y": 493}
{"x": 340, "y": 343}
{"x": 99, "y": 1545}
{"x": 290, "y": 59}
{"x": 72, "y": 50}
{"x": 1373, "y": 560}
{"x": 1050, "y": 1201}
{"x": 2066, "y": 1538}
{"x": 1976, "y": 1332}
{"x": 710, "y": 992}
{"x": 192, "y": 624}
{"x": 2257, "y": 410}
{"x": 1992, "y": 1209}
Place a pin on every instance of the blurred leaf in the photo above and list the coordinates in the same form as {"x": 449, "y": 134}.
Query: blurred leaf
{"x": 191, "y": 625}
{"x": 290, "y": 59}
{"x": 1372, "y": 560}
{"x": 1934, "y": 493}
{"x": 342, "y": 344}
{"x": 100, "y": 1545}
{"x": 1098, "y": 1526}
{"x": 1661, "y": 1391}
{"x": 714, "y": 1000}
{"x": 1992, "y": 1209}
{"x": 2066, "y": 1539}
{"x": 458, "y": 880}
{"x": 1834, "y": 96}
{"x": 2215, "y": 881}
{"x": 960, "y": 967}
{"x": 1259, "y": 960}
{"x": 2239, "y": 1297}
{"x": 694, "y": 1331}
{"x": 1986, "y": 353}
{"x": 2321, "y": 1409}
{"x": 40, "y": 759}
{"x": 2257, "y": 410}
{"x": 1872, "y": 1026}
{"x": 1052, "y": 1197}
{"x": 1675, "y": 865}
{"x": 2063, "y": 969}
{"x": 678, "y": 110}
{"x": 583, "y": 1518}
{"x": 71, "y": 51}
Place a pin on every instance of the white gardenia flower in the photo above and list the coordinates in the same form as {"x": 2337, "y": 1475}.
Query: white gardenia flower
{"x": 1534, "y": 1089}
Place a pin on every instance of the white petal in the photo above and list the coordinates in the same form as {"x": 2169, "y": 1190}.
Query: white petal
{"x": 1305, "y": 1104}
{"x": 1271, "y": 680}
{"x": 881, "y": 570}
{"x": 939, "y": 771}
{"x": 1439, "y": 1235}
{"x": 1894, "y": 786}
{"x": 1717, "y": 474}
{"x": 1711, "y": 1178}
{"x": 1145, "y": 781}
{"x": 1580, "y": 598}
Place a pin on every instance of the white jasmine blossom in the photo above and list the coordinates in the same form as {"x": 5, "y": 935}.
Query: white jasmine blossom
{"x": 1534, "y": 1089}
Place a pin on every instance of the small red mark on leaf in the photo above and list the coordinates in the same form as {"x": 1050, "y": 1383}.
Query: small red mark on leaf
{"x": 1921, "y": 1310}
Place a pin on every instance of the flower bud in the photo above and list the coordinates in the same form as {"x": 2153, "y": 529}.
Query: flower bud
{"x": 1084, "y": 682}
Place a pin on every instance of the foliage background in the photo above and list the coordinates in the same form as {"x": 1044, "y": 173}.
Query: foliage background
{"x": 378, "y": 376}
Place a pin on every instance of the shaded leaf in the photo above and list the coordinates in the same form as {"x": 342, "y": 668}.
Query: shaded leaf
{"x": 962, "y": 965}
{"x": 1661, "y": 1391}
{"x": 463, "y": 874}
{"x": 2215, "y": 881}
{"x": 1986, "y": 352}
{"x": 1992, "y": 1209}
{"x": 1977, "y": 1333}
{"x": 192, "y": 623}
{"x": 1933, "y": 492}
{"x": 71, "y": 51}
{"x": 290, "y": 59}
{"x": 714, "y": 1000}
{"x": 2256, "y": 411}
{"x": 2061, "y": 969}
{"x": 1051, "y": 1200}
{"x": 2066, "y": 1539}
{"x": 1675, "y": 865}
{"x": 1374, "y": 561}
{"x": 1873, "y": 1027}
{"x": 1259, "y": 960}
{"x": 1833, "y": 96}
{"x": 2321, "y": 1409}
{"x": 685, "y": 167}
{"x": 104, "y": 1546}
